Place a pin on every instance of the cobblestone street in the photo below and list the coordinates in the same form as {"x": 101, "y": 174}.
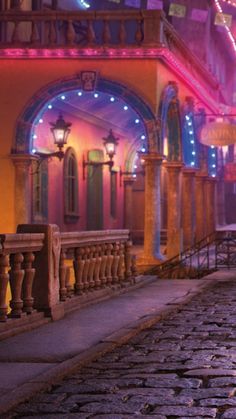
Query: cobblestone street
{"x": 182, "y": 367}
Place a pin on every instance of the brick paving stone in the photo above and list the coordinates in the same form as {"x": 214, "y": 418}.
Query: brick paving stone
{"x": 222, "y": 382}
{"x": 62, "y": 416}
{"x": 206, "y": 372}
{"x": 206, "y": 393}
{"x": 203, "y": 412}
{"x": 229, "y": 414}
{"x": 176, "y": 383}
{"x": 230, "y": 401}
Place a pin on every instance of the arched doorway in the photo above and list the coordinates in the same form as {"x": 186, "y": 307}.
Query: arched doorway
{"x": 45, "y": 104}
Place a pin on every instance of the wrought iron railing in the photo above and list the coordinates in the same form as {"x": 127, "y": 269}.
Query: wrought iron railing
{"x": 217, "y": 250}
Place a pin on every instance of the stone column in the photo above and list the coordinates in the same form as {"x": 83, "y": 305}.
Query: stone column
{"x": 22, "y": 163}
{"x": 209, "y": 189}
{"x": 152, "y": 218}
{"x": 128, "y": 201}
{"x": 188, "y": 207}
{"x": 174, "y": 231}
{"x": 200, "y": 206}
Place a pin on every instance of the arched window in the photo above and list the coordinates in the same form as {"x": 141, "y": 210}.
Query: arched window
{"x": 71, "y": 193}
{"x": 40, "y": 191}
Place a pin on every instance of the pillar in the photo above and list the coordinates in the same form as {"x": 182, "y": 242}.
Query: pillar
{"x": 152, "y": 215}
{"x": 46, "y": 281}
{"x": 209, "y": 189}
{"x": 22, "y": 163}
{"x": 128, "y": 201}
{"x": 200, "y": 206}
{"x": 174, "y": 231}
{"x": 188, "y": 207}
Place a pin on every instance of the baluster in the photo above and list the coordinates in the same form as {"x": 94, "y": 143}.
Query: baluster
{"x": 106, "y": 35}
{"x": 62, "y": 275}
{"x": 90, "y": 33}
{"x": 98, "y": 261}
{"x": 109, "y": 263}
{"x": 70, "y": 33}
{"x": 69, "y": 288}
{"x": 128, "y": 272}
{"x": 122, "y": 32}
{"x": 78, "y": 269}
{"x": 16, "y": 280}
{"x": 16, "y": 33}
{"x": 139, "y": 32}
{"x": 52, "y": 37}
{"x": 4, "y": 279}
{"x": 133, "y": 267}
{"x": 34, "y": 34}
{"x": 86, "y": 267}
{"x": 103, "y": 264}
{"x": 28, "y": 300}
{"x": 115, "y": 263}
{"x": 121, "y": 265}
{"x": 91, "y": 267}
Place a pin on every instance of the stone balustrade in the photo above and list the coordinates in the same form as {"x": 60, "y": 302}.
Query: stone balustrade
{"x": 43, "y": 268}
{"x": 100, "y": 258}
{"x": 50, "y": 28}
{"x": 17, "y": 254}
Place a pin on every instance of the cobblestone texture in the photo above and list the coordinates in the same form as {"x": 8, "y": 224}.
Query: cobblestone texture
{"x": 182, "y": 367}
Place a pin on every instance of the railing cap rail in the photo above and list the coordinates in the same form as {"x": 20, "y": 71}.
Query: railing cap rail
{"x": 81, "y": 238}
{"x": 20, "y": 242}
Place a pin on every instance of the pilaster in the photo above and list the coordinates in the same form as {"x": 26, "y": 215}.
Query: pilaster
{"x": 188, "y": 206}
{"x": 22, "y": 163}
{"x": 174, "y": 230}
{"x": 152, "y": 220}
{"x": 128, "y": 201}
{"x": 200, "y": 199}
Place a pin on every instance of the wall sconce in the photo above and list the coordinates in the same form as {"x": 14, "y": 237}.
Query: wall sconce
{"x": 110, "y": 142}
{"x": 60, "y": 131}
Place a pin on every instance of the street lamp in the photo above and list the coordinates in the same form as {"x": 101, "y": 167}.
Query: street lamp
{"x": 110, "y": 142}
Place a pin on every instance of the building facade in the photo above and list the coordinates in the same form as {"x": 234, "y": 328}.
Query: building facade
{"x": 131, "y": 75}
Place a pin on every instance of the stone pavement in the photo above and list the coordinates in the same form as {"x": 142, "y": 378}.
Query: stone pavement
{"x": 166, "y": 350}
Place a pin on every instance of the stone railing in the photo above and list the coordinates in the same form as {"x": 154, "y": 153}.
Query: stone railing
{"x": 49, "y": 28}
{"x": 100, "y": 258}
{"x": 40, "y": 268}
{"x": 17, "y": 254}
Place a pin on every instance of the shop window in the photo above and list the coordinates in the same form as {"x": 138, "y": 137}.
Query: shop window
{"x": 70, "y": 187}
{"x": 113, "y": 193}
{"x": 40, "y": 191}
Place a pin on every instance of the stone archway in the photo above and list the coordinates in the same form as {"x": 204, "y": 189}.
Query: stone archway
{"x": 22, "y": 141}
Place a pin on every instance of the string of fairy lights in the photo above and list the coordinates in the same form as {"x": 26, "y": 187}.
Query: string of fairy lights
{"x": 227, "y": 28}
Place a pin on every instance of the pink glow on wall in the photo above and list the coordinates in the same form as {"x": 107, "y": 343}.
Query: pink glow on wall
{"x": 84, "y": 136}
{"x": 199, "y": 89}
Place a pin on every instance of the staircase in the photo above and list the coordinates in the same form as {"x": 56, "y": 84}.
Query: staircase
{"x": 217, "y": 250}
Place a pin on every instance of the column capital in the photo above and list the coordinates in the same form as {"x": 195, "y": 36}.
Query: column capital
{"x": 128, "y": 179}
{"x": 23, "y": 159}
{"x": 152, "y": 158}
{"x": 189, "y": 171}
{"x": 174, "y": 166}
